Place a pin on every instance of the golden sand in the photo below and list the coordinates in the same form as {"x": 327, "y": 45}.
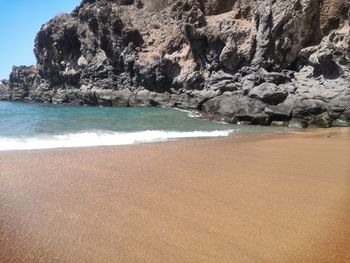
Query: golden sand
{"x": 253, "y": 198}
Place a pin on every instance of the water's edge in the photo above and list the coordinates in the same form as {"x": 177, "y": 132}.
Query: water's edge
{"x": 101, "y": 138}
{"x": 26, "y": 126}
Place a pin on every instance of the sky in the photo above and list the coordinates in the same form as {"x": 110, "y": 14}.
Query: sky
{"x": 20, "y": 20}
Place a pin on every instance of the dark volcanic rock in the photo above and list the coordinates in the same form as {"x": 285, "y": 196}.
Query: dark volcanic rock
{"x": 323, "y": 121}
{"x": 237, "y": 108}
{"x": 279, "y": 113}
{"x": 254, "y": 61}
{"x": 269, "y": 93}
{"x": 306, "y": 108}
{"x": 113, "y": 98}
{"x": 342, "y": 121}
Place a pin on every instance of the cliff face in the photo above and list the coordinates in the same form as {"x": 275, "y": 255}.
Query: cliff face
{"x": 255, "y": 61}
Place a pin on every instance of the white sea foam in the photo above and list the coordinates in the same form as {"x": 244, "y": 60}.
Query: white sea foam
{"x": 100, "y": 138}
{"x": 190, "y": 113}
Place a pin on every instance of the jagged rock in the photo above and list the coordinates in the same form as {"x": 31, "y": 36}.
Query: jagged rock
{"x": 279, "y": 113}
{"x": 160, "y": 99}
{"x": 5, "y": 92}
{"x": 252, "y": 112}
{"x": 290, "y": 88}
{"x": 222, "y": 81}
{"x": 321, "y": 121}
{"x": 269, "y": 93}
{"x": 194, "y": 81}
{"x": 222, "y": 105}
{"x": 305, "y": 108}
{"x": 276, "y": 78}
{"x": 341, "y": 122}
{"x": 22, "y": 80}
{"x": 113, "y": 98}
{"x": 140, "y": 99}
{"x": 253, "y": 61}
{"x": 184, "y": 101}
{"x": 202, "y": 96}
{"x": 338, "y": 105}
{"x": 255, "y": 78}
{"x": 237, "y": 108}
{"x": 344, "y": 119}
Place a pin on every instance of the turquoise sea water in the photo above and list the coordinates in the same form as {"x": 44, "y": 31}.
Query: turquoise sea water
{"x": 40, "y": 126}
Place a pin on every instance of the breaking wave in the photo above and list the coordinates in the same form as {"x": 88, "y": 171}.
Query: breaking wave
{"x": 101, "y": 138}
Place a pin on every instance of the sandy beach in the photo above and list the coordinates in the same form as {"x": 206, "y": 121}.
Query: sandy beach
{"x": 246, "y": 198}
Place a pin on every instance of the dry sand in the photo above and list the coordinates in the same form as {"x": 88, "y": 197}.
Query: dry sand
{"x": 253, "y": 198}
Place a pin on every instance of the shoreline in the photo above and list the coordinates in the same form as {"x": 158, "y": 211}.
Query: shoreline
{"x": 97, "y": 138}
{"x": 245, "y": 198}
{"x": 235, "y": 134}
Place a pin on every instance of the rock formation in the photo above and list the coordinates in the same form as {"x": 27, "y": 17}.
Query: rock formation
{"x": 254, "y": 61}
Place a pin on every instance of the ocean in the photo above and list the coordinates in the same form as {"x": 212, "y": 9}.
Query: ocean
{"x": 25, "y": 126}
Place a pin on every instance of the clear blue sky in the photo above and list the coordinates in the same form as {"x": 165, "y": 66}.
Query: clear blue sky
{"x": 20, "y": 20}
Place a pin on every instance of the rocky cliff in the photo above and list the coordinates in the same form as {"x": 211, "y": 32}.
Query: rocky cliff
{"x": 245, "y": 61}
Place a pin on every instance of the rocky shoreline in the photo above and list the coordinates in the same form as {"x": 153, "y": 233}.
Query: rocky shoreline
{"x": 283, "y": 63}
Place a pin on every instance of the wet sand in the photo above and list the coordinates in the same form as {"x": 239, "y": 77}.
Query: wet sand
{"x": 253, "y": 198}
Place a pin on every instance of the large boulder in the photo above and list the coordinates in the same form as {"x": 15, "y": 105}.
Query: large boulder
{"x": 237, "y": 108}
{"x": 269, "y": 93}
{"x": 321, "y": 121}
{"x": 279, "y": 113}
